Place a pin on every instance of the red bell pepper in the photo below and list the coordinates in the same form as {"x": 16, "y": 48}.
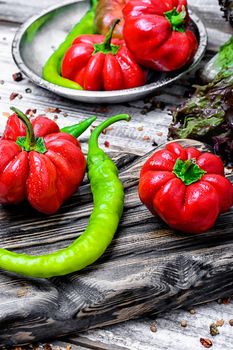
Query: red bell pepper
{"x": 38, "y": 163}
{"x": 102, "y": 63}
{"x": 157, "y": 34}
{"x": 185, "y": 187}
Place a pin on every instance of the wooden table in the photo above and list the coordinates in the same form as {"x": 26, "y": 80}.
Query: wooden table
{"x": 149, "y": 125}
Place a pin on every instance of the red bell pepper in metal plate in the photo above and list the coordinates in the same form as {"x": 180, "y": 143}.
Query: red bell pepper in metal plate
{"x": 157, "y": 34}
{"x": 38, "y": 163}
{"x": 102, "y": 63}
{"x": 185, "y": 187}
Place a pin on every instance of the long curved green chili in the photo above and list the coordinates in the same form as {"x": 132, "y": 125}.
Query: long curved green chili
{"x": 108, "y": 198}
{"x": 77, "y": 129}
{"x": 52, "y": 68}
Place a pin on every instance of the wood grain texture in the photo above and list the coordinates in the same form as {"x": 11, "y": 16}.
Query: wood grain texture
{"x": 136, "y": 334}
{"x": 148, "y": 268}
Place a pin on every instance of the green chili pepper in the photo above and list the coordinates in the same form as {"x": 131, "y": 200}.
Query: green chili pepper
{"x": 77, "y": 129}
{"x": 108, "y": 198}
{"x": 52, "y": 68}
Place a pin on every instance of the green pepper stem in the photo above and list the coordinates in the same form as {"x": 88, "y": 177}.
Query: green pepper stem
{"x": 30, "y": 136}
{"x": 106, "y": 46}
{"x": 188, "y": 165}
{"x": 93, "y": 140}
{"x": 188, "y": 171}
{"x": 108, "y": 37}
{"x": 177, "y": 19}
{"x": 77, "y": 129}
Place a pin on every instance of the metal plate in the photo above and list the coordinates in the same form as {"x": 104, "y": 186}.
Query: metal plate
{"x": 37, "y": 38}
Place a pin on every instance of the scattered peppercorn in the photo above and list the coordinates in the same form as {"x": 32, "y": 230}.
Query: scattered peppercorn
{"x": 28, "y": 91}
{"x": 106, "y": 144}
{"x": 55, "y": 117}
{"x": 13, "y": 95}
{"x": 146, "y": 138}
{"x": 153, "y": 328}
{"x": 207, "y": 343}
{"x": 219, "y": 323}
{"x": 20, "y": 97}
{"x": 140, "y": 128}
{"x": 65, "y": 114}
{"x": 68, "y": 347}
{"x": 47, "y": 347}
{"x": 17, "y": 76}
{"x": 183, "y": 323}
{"x": 30, "y": 111}
{"x": 219, "y": 301}
{"x": 231, "y": 322}
{"x": 192, "y": 311}
{"x": 159, "y": 133}
{"x": 226, "y": 301}
{"x": 154, "y": 144}
{"x": 53, "y": 110}
{"x": 2, "y": 82}
{"x": 214, "y": 329}
{"x": 102, "y": 109}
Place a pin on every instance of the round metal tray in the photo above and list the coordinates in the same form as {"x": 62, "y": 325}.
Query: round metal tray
{"x": 37, "y": 38}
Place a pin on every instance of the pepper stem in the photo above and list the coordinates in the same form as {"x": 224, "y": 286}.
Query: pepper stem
{"x": 93, "y": 140}
{"x": 30, "y": 142}
{"x": 30, "y": 136}
{"x": 108, "y": 37}
{"x": 106, "y": 46}
{"x": 177, "y": 19}
{"x": 188, "y": 171}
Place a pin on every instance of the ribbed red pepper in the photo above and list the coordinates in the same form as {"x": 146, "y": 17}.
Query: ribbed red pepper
{"x": 101, "y": 63}
{"x": 38, "y": 163}
{"x": 185, "y": 187}
{"x": 157, "y": 34}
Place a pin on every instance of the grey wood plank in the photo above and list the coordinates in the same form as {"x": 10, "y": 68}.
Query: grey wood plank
{"x": 136, "y": 335}
{"x": 94, "y": 344}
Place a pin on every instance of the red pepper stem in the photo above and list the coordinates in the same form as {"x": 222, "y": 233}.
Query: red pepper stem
{"x": 30, "y": 136}
{"x": 108, "y": 37}
{"x": 93, "y": 140}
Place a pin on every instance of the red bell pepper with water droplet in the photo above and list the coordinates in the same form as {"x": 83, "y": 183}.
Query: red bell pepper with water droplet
{"x": 157, "y": 33}
{"x": 102, "y": 63}
{"x": 185, "y": 187}
{"x": 38, "y": 163}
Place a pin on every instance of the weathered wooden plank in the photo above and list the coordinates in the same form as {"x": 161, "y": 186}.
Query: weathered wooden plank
{"x": 147, "y": 269}
{"x": 136, "y": 335}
